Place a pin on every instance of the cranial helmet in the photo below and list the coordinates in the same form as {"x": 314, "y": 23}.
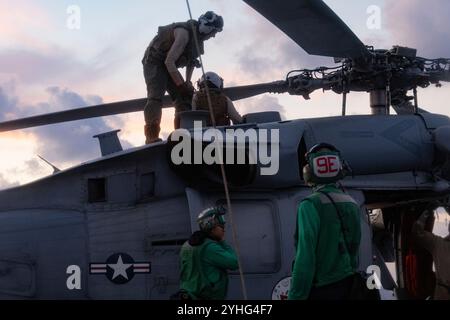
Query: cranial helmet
{"x": 211, "y": 217}
{"x": 324, "y": 165}
{"x": 210, "y": 79}
{"x": 210, "y": 22}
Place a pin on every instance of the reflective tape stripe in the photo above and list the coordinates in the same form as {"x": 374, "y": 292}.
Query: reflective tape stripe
{"x": 337, "y": 197}
{"x": 98, "y": 271}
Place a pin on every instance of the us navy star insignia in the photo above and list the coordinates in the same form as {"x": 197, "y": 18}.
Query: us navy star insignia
{"x": 120, "y": 268}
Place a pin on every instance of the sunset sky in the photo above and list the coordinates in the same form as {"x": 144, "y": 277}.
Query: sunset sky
{"x": 47, "y": 67}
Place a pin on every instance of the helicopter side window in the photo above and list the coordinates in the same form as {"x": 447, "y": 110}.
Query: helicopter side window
{"x": 97, "y": 190}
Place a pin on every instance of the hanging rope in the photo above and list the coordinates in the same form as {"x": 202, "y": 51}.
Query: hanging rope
{"x": 222, "y": 167}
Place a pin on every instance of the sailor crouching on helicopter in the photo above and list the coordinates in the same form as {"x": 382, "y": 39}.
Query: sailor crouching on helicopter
{"x": 328, "y": 232}
{"x": 222, "y": 106}
{"x": 205, "y": 258}
{"x": 439, "y": 248}
{"x": 174, "y": 47}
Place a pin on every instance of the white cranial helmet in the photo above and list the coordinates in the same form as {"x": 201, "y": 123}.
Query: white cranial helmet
{"x": 210, "y": 22}
{"x": 211, "y": 79}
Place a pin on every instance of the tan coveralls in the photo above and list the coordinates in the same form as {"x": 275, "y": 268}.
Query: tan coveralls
{"x": 440, "y": 250}
{"x": 173, "y": 47}
{"x": 222, "y": 106}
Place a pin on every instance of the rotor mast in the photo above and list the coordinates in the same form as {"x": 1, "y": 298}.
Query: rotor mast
{"x": 379, "y": 102}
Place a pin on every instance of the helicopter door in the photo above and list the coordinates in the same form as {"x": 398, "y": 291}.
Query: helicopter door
{"x": 256, "y": 222}
{"x": 257, "y": 229}
{"x": 369, "y": 255}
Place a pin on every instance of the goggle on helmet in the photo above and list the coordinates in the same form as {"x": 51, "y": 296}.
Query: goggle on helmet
{"x": 210, "y": 22}
{"x": 211, "y": 217}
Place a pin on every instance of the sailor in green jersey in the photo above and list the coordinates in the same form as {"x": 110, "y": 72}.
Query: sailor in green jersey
{"x": 326, "y": 259}
{"x": 206, "y": 257}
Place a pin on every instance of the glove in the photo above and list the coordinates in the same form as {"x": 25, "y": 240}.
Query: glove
{"x": 197, "y": 63}
{"x": 186, "y": 89}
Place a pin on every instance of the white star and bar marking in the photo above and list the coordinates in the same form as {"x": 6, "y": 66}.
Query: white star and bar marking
{"x": 120, "y": 268}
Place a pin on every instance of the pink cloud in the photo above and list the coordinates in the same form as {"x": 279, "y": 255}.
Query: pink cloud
{"x": 77, "y": 144}
{"x": 4, "y": 183}
{"x": 33, "y": 71}
{"x": 31, "y": 66}
{"x": 420, "y": 24}
{"x": 19, "y": 23}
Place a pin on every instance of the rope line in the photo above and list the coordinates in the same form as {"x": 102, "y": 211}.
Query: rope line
{"x": 222, "y": 167}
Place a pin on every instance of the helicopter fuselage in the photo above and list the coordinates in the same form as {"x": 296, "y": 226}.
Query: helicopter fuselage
{"x": 137, "y": 204}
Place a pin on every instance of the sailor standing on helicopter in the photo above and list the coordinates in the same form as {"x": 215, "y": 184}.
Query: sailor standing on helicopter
{"x": 222, "y": 106}
{"x": 328, "y": 232}
{"x": 206, "y": 257}
{"x": 174, "y": 47}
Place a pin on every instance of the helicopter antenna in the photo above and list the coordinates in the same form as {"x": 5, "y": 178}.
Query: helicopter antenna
{"x": 416, "y": 103}
{"x": 222, "y": 167}
{"x": 344, "y": 92}
{"x": 55, "y": 169}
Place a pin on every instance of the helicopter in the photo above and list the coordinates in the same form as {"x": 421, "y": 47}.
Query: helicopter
{"x": 112, "y": 228}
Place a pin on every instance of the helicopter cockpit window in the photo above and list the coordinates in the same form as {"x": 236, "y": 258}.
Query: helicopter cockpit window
{"x": 96, "y": 190}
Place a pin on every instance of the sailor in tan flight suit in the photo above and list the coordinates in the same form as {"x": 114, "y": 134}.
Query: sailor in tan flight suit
{"x": 440, "y": 250}
{"x": 174, "y": 47}
{"x": 222, "y": 106}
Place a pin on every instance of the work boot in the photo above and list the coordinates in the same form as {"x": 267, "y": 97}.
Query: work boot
{"x": 152, "y": 133}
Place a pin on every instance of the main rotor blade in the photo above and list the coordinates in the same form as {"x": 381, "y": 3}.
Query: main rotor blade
{"x": 234, "y": 93}
{"x": 78, "y": 114}
{"x": 313, "y": 26}
{"x": 243, "y": 92}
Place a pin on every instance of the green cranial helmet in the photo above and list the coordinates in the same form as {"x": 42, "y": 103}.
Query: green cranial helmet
{"x": 324, "y": 165}
{"x": 211, "y": 217}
